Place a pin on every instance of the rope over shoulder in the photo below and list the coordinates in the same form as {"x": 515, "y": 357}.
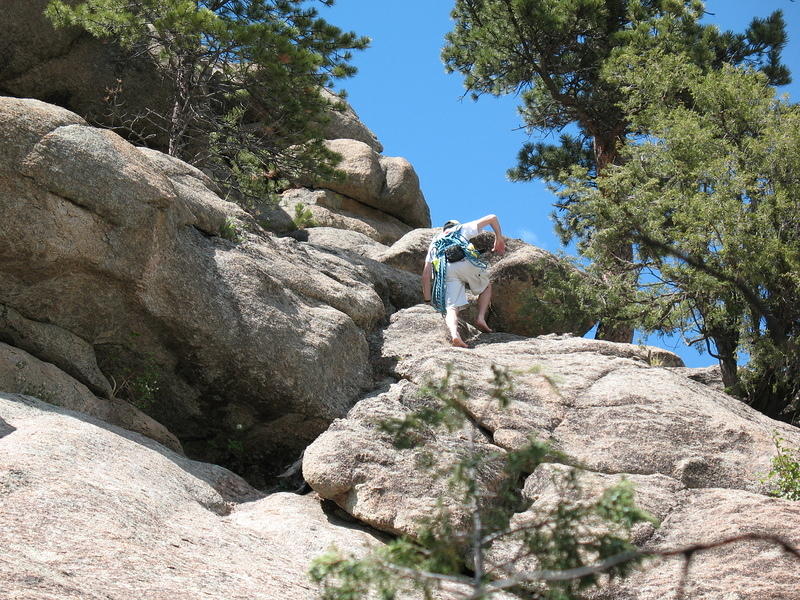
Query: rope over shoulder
{"x": 439, "y": 263}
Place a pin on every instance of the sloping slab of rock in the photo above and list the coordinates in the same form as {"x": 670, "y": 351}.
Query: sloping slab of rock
{"x": 710, "y": 376}
{"x": 54, "y": 345}
{"x": 746, "y": 570}
{"x": 21, "y": 373}
{"x": 602, "y": 403}
{"x": 743, "y": 570}
{"x": 659, "y": 495}
{"x": 396, "y": 287}
{"x": 122, "y": 248}
{"x": 548, "y": 486}
{"x": 612, "y": 410}
{"x": 332, "y": 238}
{"x": 89, "y": 511}
{"x": 671, "y": 425}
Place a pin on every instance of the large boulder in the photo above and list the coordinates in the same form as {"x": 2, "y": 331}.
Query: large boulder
{"x": 396, "y": 288}
{"x": 363, "y": 177}
{"x": 130, "y": 251}
{"x": 343, "y": 240}
{"x": 401, "y": 195}
{"x": 619, "y": 410}
{"x": 344, "y": 123}
{"x": 409, "y": 252}
{"x": 91, "y": 511}
{"x": 388, "y": 184}
{"x": 357, "y": 466}
{"x": 534, "y": 293}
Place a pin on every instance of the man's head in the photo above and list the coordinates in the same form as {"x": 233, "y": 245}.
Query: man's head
{"x": 450, "y": 224}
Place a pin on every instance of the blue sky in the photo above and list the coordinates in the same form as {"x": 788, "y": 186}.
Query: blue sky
{"x": 461, "y": 149}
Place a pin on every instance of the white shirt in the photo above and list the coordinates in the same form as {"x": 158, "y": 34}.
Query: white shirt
{"x": 468, "y": 230}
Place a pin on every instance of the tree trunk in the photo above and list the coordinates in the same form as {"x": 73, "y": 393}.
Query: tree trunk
{"x": 618, "y": 332}
{"x": 726, "y": 352}
{"x": 606, "y": 152}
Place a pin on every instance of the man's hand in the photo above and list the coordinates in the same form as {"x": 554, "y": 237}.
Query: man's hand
{"x": 493, "y": 222}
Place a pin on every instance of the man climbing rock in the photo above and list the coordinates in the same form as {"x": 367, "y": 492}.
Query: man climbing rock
{"x": 452, "y": 264}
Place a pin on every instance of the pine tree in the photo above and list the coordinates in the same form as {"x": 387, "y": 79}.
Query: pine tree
{"x": 554, "y": 54}
{"x": 244, "y": 76}
{"x": 710, "y": 196}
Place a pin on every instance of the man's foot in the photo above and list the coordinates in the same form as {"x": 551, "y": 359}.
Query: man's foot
{"x": 458, "y": 342}
{"x": 481, "y": 324}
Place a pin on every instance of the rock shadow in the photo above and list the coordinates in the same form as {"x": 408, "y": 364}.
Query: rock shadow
{"x": 6, "y": 428}
{"x": 231, "y": 487}
{"x": 338, "y": 517}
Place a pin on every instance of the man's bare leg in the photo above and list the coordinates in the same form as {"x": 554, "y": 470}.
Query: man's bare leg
{"x": 484, "y": 300}
{"x": 451, "y": 318}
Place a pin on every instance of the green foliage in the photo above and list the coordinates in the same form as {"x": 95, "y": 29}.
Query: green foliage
{"x": 143, "y": 390}
{"x": 140, "y": 384}
{"x": 236, "y": 446}
{"x": 560, "y": 57}
{"x": 230, "y": 231}
{"x": 245, "y": 79}
{"x": 554, "y": 53}
{"x": 785, "y": 472}
{"x": 709, "y": 194}
{"x": 303, "y": 217}
{"x": 449, "y": 548}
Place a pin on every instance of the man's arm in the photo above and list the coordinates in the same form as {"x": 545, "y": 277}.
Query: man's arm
{"x": 494, "y": 223}
{"x": 426, "y": 282}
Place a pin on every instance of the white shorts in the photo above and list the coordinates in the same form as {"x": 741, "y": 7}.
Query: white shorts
{"x": 459, "y": 275}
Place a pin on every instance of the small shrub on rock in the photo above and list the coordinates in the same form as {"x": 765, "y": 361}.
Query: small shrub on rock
{"x": 785, "y": 472}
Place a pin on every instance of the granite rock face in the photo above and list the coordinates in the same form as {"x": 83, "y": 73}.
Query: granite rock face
{"x": 533, "y": 294}
{"x": 90, "y": 511}
{"x": 330, "y": 209}
{"x": 132, "y": 258}
{"x": 619, "y": 410}
{"x": 408, "y": 253}
{"x": 109, "y": 87}
{"x": 745, "y": 570}
{"x": 356, "y": 465}
{"x": 345, "y": 124}
{"x": 74, "y": 70}
{"x": 54, "y": 345}
{"x": 121, "y": 267}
